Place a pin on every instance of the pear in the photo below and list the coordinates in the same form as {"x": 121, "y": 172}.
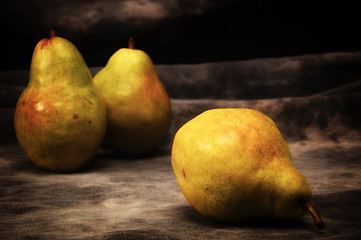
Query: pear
{"x": 59, "y": 120}
{"x": 233, "y": 165}
{"x": 137, "y": 104}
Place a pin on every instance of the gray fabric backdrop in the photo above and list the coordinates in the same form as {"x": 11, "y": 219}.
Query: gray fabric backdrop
{"x": 314, "y": 99}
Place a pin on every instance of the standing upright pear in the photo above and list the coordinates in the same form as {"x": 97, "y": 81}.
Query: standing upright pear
{"x": 138, "y": 106}
{"x": 60, "y": 120}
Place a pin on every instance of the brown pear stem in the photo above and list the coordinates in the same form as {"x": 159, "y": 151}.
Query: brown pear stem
{"x": 52, "y": 33}
{"x": 315, "y": 215}
{"x": 131, "y": 43}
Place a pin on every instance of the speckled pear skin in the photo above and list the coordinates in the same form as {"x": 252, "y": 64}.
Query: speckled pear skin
{"x": 233, "y": 165}
{"x": 138, "y": 106}
{"x": 59, "y": 120}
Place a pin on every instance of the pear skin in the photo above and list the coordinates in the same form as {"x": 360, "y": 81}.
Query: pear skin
{"x": 138, "y": 106}
{"x": 233, "y": 165}
{"x": 59, "y": 120}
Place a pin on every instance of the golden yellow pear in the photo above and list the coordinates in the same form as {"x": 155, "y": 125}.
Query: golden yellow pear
{"x": 233, "y": 165}
{"x": 60, "y": 120}
{"x": 138, "y": 106}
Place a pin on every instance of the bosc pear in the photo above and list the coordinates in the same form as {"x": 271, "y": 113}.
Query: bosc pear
{"x": 234, "y": 165}
{"x": 137, "y": 104}
{"x": 60, "y": 120}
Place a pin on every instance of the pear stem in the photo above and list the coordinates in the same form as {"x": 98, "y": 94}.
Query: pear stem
{"x": 52, "y": 33}
{"x": 315, "y": 215}
{"x": 131, "y": 43}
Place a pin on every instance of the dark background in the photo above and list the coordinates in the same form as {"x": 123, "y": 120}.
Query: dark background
{"x": 175, "y": 31}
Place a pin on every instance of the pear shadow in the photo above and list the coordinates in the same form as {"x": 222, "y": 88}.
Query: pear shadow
{"x": 105, "y": 159}
{"x": 189, "y": 214}
{"x": 340, "y": 212}
{"x": 157, "y": 151}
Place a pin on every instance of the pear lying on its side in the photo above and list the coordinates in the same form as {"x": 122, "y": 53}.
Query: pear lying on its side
{"x": 138, "y": 106}
{"x": 234, "y": 164}
{"x": 59, "y": 120}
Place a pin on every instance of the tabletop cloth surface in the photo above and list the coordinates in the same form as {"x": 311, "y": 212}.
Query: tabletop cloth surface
{"x": 314, "y": 100}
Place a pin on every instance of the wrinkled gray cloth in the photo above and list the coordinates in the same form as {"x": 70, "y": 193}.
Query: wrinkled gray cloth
{"x": 314, "y": 99}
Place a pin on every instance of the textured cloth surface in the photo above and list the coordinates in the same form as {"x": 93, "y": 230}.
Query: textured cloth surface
{"x": 314, "y": 100}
